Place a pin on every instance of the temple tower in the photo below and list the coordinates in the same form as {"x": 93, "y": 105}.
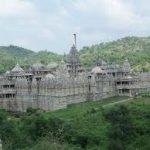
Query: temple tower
{"x": 73, "y": 63}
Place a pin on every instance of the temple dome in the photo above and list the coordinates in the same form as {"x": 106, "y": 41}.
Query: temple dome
{"x": 98, "y": 70}
{"x": 38, "y": 66}
{"x": 7, "y": 72}
{"x": 49, "y": 76}
{"x": 17, "y": 69}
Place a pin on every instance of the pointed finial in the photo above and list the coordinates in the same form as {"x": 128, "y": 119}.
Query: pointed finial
{"x": 17, "y": 64}
{"x": 75, "y": 40}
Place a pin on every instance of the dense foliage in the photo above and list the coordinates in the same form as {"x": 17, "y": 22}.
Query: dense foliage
{"x": 136, "y": 49}
{"x": 90, "y": 125}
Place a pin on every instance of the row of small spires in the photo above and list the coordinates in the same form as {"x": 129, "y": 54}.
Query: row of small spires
{"x": 18, "y": 68}
{"x": 37, "y": 66}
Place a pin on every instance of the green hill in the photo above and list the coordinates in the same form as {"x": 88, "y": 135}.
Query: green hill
{"x": 16, "y": 51}
{"x": 10, "y": 55}
{"x": 136, "y": 49}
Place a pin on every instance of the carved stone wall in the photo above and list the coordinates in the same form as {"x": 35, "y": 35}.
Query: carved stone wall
{"x": 57, "y": 93}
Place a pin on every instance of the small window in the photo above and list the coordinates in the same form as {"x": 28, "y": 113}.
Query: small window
{"x": 5, "y": 86}
{"x": 12, "y": 86}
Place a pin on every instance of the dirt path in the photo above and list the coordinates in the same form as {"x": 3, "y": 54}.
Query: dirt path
{"x": 122, "y": 101}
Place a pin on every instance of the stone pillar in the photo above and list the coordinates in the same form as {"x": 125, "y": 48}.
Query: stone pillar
{"x": 29, "y": 81}
{"x": 38, "y": 80}
{"x": 89, "y": 92}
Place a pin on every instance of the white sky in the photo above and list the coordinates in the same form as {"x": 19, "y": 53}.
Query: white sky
{"x": 49, "y": 24}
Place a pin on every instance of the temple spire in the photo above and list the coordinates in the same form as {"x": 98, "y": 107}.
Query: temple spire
{"x": 73, "y": 62}
{"x": 75, "y": 39}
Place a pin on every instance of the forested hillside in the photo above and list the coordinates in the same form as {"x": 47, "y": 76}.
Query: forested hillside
{"x": 136, "y": 49}
{"x": 16, "y": 51}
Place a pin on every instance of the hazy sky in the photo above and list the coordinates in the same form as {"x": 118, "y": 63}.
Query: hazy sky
{"x": 49, "y": 24}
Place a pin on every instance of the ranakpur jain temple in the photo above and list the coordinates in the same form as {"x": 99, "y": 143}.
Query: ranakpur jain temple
{"x": 55, "y": 86}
